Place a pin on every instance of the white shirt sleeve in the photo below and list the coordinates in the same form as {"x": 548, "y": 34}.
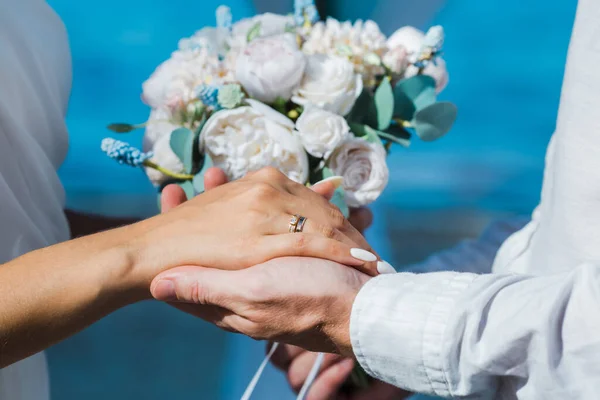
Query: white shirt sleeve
{"x": 482, "y": 336}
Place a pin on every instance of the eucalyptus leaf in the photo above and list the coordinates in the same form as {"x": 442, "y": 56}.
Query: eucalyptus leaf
{"x": 188, "y": 188}
{"x": 400, "y": 135}
{"x": 366, "y": 132}
{"x": 254, "y": 32}
{"x": 384, "y": 104}
{"x": 434, "y": 121}
{"x": 198, "y": 180}
{"x": 327, "y": 173}
{"x": 413, "y": 94}
{"x": 122, "y": 127}
{"x": 362, "y": 108}
{"x": 339, "y": 200}
{"x": 182, "y": 144}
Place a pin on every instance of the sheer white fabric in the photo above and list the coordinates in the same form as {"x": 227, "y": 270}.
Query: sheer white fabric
{"x": 35, "y": 82}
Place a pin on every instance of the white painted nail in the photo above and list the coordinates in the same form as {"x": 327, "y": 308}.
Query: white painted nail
{"x": 384, "y": 267}
{"x": 363, "y": 255}
{"x": 336, "y": 181}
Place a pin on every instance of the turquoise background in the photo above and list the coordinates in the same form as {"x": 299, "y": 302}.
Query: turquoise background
{"x": 506, "y": 61}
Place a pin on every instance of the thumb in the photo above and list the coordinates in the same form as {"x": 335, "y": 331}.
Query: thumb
{"x": 327, "y": 187}
{"x": 198, "y": 285}
{"x": 171, "y": 196}
{"x": 214, "y": 177}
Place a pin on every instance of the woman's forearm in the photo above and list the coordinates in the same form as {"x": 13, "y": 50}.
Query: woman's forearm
{"x": 52, "y": 293}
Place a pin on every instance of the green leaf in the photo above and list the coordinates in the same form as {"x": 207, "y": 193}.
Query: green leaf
{"x": 398, "y": 135}
{"x": 362, "y": 107}
{"x": 122, "y": 127}
{"x": 339, "y": 200}
{"x": 254, "y": 32}
{"x": 384, "y": 104}
{"x": 198, "y": 180}
{"x": 413, "y": 94}
{"x": 434, "y": 121}
{"x": 188, "y": 188}
{"x": 327, "y": 173}
{"x": 182, "y": 144}
{"x": 365, "y": 132}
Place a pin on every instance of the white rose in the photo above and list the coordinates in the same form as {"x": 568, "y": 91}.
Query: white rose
{"x": 321, "y": 132}
{"x": 364, "y": 168}
{"x": 166, "y": 158}
{"x": 329, "y": 83}
{"x": 396, "y": 59}
{"x": 270, "y": 68}
{"x": 412, "y": 40}
{"x": 159, "y": 124}
{"x": 408, "y": 37}
{"x": 252, "y": 137}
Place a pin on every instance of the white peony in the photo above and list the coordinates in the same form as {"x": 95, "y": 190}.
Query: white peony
{"x": 252, "y": 137}
{"x": 321, "y": 132}
{"x": 364, "y": 168}
{"x": 269, "y": 68}
{"x": 412, "y": 39}
{"x": 166, "y": 158}
{"x": 213, "y": 40}
{"x": 359, "y": 41}
{"x": 329, "y": 83}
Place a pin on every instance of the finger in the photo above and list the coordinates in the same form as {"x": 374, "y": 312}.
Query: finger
{"x": 218, "y": 316}
{"x": 311, "y": 245}
{"x": 171, "y": 196}
{"x": 301, "y": 366}
{"x": 329, "y": 382}
{"x": 327, "y": 187}
{"x": 361, "y": 218}
{"x": 198, "y": 285}
{"x": 284, "y": 355}
{"x": 323, "y": 212}
{"x": 214, "y": 177}
{"x": 380, "y": 390}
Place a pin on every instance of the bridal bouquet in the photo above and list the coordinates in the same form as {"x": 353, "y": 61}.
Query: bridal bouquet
{"x": 313, "y": 99}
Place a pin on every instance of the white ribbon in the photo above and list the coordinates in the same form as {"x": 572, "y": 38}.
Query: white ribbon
{"x": 312, "y": 375}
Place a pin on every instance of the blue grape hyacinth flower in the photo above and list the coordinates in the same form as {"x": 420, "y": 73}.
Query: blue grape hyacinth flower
{"x": 305, "y": 10}
{"x": 124, "y": 153}
{"x": 209, "y": 95}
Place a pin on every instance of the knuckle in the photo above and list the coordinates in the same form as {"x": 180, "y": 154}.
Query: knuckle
{"x": 336, "y": 217}
{"x": 261, "y": 191}
{"x": 269, "y": 174}
{"x": 328, "y": 232}
{"x": 300, "y": 242}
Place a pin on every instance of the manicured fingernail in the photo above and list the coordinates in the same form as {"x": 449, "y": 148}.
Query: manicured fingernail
{"x": 384, "y": 267}
{"x": 336, "y": 181}
{"x": 363, "y": 255}
{"x": 164, "y": 290}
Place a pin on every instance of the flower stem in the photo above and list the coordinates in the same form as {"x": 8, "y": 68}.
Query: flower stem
{"x": 168, "y": 172}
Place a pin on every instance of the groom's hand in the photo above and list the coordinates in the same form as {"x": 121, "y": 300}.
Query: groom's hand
{"x": 297, "y": 363}
{"x": 301, "y": 301}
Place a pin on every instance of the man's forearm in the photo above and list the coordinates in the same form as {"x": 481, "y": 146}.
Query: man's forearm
{"x": 51, "y": 293}
{"x": 459, "y": 334}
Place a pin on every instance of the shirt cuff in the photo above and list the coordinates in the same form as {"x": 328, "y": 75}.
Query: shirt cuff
{"x": 397, "y": 328}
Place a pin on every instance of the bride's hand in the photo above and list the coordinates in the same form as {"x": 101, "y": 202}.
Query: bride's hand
{"x": 245, "y": 222}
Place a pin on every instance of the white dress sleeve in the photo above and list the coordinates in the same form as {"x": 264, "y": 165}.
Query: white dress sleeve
{"x": 464, "y": 335}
